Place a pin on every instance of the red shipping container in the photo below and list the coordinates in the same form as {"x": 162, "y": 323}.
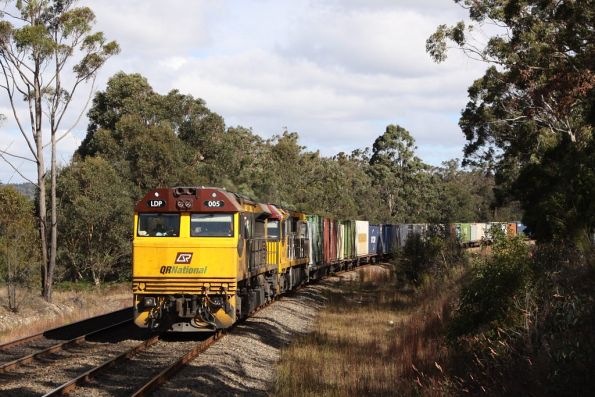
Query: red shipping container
{"x": 329, "y": 242}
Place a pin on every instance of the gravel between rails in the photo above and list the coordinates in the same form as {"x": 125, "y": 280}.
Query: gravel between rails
{"x": 22, "y": 350}
{"x": 46, "y": 373}
{"x": 243, "y": 362}
{"x": 125, "y": 378}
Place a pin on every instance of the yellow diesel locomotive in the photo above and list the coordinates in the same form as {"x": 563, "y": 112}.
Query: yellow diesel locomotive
{"x": 204, "y": 257}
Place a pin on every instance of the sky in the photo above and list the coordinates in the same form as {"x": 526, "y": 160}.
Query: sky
{"x": 335, "y": 71}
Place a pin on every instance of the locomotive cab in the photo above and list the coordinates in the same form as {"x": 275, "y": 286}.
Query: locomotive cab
{"x": 186, "y": 259}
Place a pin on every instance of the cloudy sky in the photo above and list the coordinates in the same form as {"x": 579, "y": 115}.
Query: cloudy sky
{"x": 336, "y": 71}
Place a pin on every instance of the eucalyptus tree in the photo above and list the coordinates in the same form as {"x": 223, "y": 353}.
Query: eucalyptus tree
{"x": 95, "y": 208}
{"x": 532, "y": 112}
{"x": 396, "y": 172}
{"x": 47, "y": 52}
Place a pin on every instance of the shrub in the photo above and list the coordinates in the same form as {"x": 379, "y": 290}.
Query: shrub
{"x": 495, "y": 281}
{"x": 431, "y": 253}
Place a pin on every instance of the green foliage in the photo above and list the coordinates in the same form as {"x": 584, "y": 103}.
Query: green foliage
{"x": 567, "y": 211}
{"x": 95, "y": 214}
{"x": 531, "y": 115}
{"x": 151, "y": 140}
{"x": 543, "y": 342}
{"x": 19, "y": 257}
{"x": 495, "y": 283}
{"x": 433, "y": 253}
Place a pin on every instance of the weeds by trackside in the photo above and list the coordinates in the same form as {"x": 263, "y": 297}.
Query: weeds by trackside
{"x": 376, "y": 336}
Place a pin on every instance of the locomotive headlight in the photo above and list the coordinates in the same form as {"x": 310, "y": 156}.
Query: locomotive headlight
{"x": 180, "y": 204}
{"x": 188, "y": 203}
{"x": 149, "y": 301}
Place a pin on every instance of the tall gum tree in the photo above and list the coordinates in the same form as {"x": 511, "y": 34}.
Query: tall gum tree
{"x": 47, "y": 52}
{"x": 532, "y": 112}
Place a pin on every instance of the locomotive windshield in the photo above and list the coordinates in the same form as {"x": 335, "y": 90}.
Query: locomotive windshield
{"x": 273, "y": 229}
{"x": 211, "y": 225}
{"x": 158, "y": 225}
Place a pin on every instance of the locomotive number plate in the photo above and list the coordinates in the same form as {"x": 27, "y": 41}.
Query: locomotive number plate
{"x": 214, "y": 203}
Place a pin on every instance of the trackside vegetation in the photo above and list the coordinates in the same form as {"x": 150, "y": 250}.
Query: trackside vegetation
{"x": 510, "y": 319}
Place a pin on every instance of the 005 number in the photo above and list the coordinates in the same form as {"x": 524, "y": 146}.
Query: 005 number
{"x": 214, "y": 203}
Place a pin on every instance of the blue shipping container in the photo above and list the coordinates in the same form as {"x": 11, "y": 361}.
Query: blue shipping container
{"x": 374, "y": 237}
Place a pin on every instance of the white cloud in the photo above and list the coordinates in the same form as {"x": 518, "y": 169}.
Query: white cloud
{"x": 336, "y": 71}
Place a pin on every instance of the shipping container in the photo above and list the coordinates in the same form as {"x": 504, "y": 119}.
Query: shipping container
{"x": 374, "y": 234}
{"x": 349, "y": 240}
{"x": 478, "y": 231}
{"x": 329, "y": 241}
{"x": 340, "y": 237}
{"x": 315, "y": 236}
{"x": 511, "y": 229}
{"x": 386, "y": 239}
{"x": 362, "y": 229}
{"x": 520, "y": 228}
{"x": 452, "y": 231}
{"x": 390, "y": 238}
{"x": 464, "y": 232}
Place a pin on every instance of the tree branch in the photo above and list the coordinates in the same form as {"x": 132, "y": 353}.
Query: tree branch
{"x": 14, "y": 111}
{"x": 17, "y": 171}
{"x": 16, "y": 156}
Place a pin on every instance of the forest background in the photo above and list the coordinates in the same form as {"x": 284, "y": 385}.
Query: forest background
{"x": 138, "y": 139}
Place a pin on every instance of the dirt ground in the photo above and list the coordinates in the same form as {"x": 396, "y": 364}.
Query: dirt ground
{"x": 35, "y": 314}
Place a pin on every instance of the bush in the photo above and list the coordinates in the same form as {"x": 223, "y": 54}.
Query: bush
{"x": 495, "y": 281}
{"x": 431, "y": 253}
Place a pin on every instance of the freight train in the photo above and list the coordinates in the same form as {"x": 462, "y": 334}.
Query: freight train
{"x": 204, "y": 257}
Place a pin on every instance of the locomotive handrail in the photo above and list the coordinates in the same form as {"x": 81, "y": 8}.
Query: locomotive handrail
{"x": 262, "y": 252}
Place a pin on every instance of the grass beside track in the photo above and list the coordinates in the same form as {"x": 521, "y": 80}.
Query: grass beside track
{"x": 69, "y": 305}
{"x": 374, "y": 337}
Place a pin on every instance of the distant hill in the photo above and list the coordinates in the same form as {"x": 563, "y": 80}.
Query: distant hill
{"x": 27, "y": 189}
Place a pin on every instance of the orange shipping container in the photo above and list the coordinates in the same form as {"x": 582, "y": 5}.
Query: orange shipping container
{"x": 511, "y": 229}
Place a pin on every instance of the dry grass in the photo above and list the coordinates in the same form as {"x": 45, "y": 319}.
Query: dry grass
{"x": 35, "y": 315}
{"x": 373, "y": 338}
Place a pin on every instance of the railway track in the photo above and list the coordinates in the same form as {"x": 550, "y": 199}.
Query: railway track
{"x": 136, "y": 370}
{"x": 71, "y": 330}
{"x": 31, "y": 360}
{"x": 11, "y": 365}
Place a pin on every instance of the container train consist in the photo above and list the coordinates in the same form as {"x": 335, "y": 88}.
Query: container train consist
{"x": 204, "y": 257}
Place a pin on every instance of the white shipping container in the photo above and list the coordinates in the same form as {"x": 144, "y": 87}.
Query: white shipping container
{"x": 340, "y": 254}
{"x": 362, "y": 229}
{"x": 478, "y": 231}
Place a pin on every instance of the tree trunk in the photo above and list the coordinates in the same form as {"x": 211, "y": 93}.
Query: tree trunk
{"x": 41, "y": 205}
{"x": 54, "y": 220}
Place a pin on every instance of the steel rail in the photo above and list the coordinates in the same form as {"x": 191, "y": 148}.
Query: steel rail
{"x": 40, "y": 335}
{"x": 87, "y": 376}
{"x": 57, "y": 347}
{"x": 172, "y": 369}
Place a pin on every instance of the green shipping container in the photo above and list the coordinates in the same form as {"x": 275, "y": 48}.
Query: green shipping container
{"x": 464, "y": 232}
{"x": 349, "y": 239}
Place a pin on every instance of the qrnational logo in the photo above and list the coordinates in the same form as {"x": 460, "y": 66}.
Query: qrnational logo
{"x": 182, "y": 270}
{"x": 183, "y": 258}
